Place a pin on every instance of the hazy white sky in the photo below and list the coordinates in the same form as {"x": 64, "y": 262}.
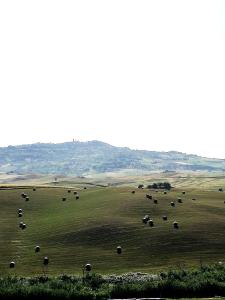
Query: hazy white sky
{"x": 143, "y": 74}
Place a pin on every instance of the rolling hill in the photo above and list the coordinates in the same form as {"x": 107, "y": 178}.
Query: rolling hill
{"x": 77, "y": 231}
{"x": 94, "y": 157}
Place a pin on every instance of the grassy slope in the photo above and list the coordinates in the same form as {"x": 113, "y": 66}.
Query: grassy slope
{"x": 75, "y": 232}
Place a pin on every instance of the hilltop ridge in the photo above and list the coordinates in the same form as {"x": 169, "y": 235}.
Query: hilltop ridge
{"x": 94, "y": 157}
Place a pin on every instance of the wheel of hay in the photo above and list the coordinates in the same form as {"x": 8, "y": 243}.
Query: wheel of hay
{"x": 12, "y": 265}
{"x": 151, "y": 223}
{"x": 119, "y": 249}
{"x": 46, "y": 261}
{"x": 175, "y": 225}
{"x": 37, "y": 249}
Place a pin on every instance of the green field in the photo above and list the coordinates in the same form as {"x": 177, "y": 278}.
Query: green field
{"x": 74, "y": 232}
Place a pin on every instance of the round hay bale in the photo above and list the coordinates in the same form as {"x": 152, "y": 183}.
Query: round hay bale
{"x": 69, "y": 191}
{"x": 27, "y": 198}
{"x": 21, "y": 224}
{"x": 164, "y": 218}
{"x": 88, "y": 267}
{"x": 24, "y": 226}
{"x": 133, "y": 192}
{"x": 12, "y": 264}
{"x": 20, "y": 214}
{"x": 20, "y": 210}
{"x": 85, "y": 188}
{"x": 140, "y": 186}
{"x": 164, "y": 192}
{"x": 64, "y": 199}
{"x": 23, "y": 195}
{"x": 175, "y": 225}
{"x": 34, "y": 189}
{"x": 183, "y": 192}
{"x": 118, "y": 249}
{"x": 46, "y": 261}
{"x": 37, "y": 249}
{"x": 172, "y": 204}
{"x": 220, "y": 189}
{"x": 144, "y": 220}
{"x": 151, "y": 223}
{"x": 155, "y": 201}
{"x": 179, "y": 200}
{"x": 77, "y": 197}
{"x": 75, "y": 193}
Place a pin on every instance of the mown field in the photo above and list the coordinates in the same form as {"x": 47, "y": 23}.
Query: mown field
{"x": 88, "y": 230}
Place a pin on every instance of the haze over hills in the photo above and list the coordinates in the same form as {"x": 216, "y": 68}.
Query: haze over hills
{"x": 93, "y": 157}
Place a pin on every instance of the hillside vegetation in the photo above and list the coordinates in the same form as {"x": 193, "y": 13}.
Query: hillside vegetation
{"x": 84, "y": 158}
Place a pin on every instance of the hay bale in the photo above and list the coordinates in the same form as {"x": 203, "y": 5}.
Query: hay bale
{"x": 69, "y": 191}
{"x": 183, "y": 192}
{"x": 172, "y": 204}
{"x": 21, "y": 225}
{"x": 118, "y": 249}
{"x": 155, "y": 201}
{"x": 34, "y": 189}
{"x": 45, "y": 261}
{"x": 179, "y": 200}
{"x": 164, "y": 192}
{"x": 77, "y": 197}
{"x": 37, "y": 249}
{"x": 24, "y": 226}
{"x": 193, "y": 199}
{"x": 151, "y": 223}
{"x": 133, "y": 192}
{"x": 164, "y": 218}
{"x": 145, "y": 219}
{"x": 23, "y": 195}
{"x": 20, "y": 210}
{"x": 220, "y": 189}
{"x": 75, "y": 193}
{"x": 140, "y": 186}
{"x": 12, "y": 264}
{"x": 63, "y": 198}
{"x": 85, "y": 188}
{"x": 175, "y": 225}
{"x": 20, "y": 214}
{"x": 88, "y": 267}
{"x": 27, "y": 198}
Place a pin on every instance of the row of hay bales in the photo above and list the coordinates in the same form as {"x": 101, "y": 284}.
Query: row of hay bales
{"x": 37, "y": 248}
{"x": 23, "y": 226}
{"x": 147, "y": 220}
{"x": 74, "y": 192}
{"x": 155, "y": 201}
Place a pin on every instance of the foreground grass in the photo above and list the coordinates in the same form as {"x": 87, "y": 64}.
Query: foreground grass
{"x": 206, "y": 281}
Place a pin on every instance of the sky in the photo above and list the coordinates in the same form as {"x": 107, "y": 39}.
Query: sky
{"x": 142, "y": 74}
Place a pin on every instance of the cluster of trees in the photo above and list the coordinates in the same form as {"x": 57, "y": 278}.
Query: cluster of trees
{"x": 160, "y": 185}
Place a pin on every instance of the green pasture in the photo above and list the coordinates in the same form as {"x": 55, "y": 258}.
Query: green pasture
{"x": 88, "y": 230}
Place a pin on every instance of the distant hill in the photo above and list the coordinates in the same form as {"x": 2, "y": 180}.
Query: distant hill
{"x": 83, "y": 158}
